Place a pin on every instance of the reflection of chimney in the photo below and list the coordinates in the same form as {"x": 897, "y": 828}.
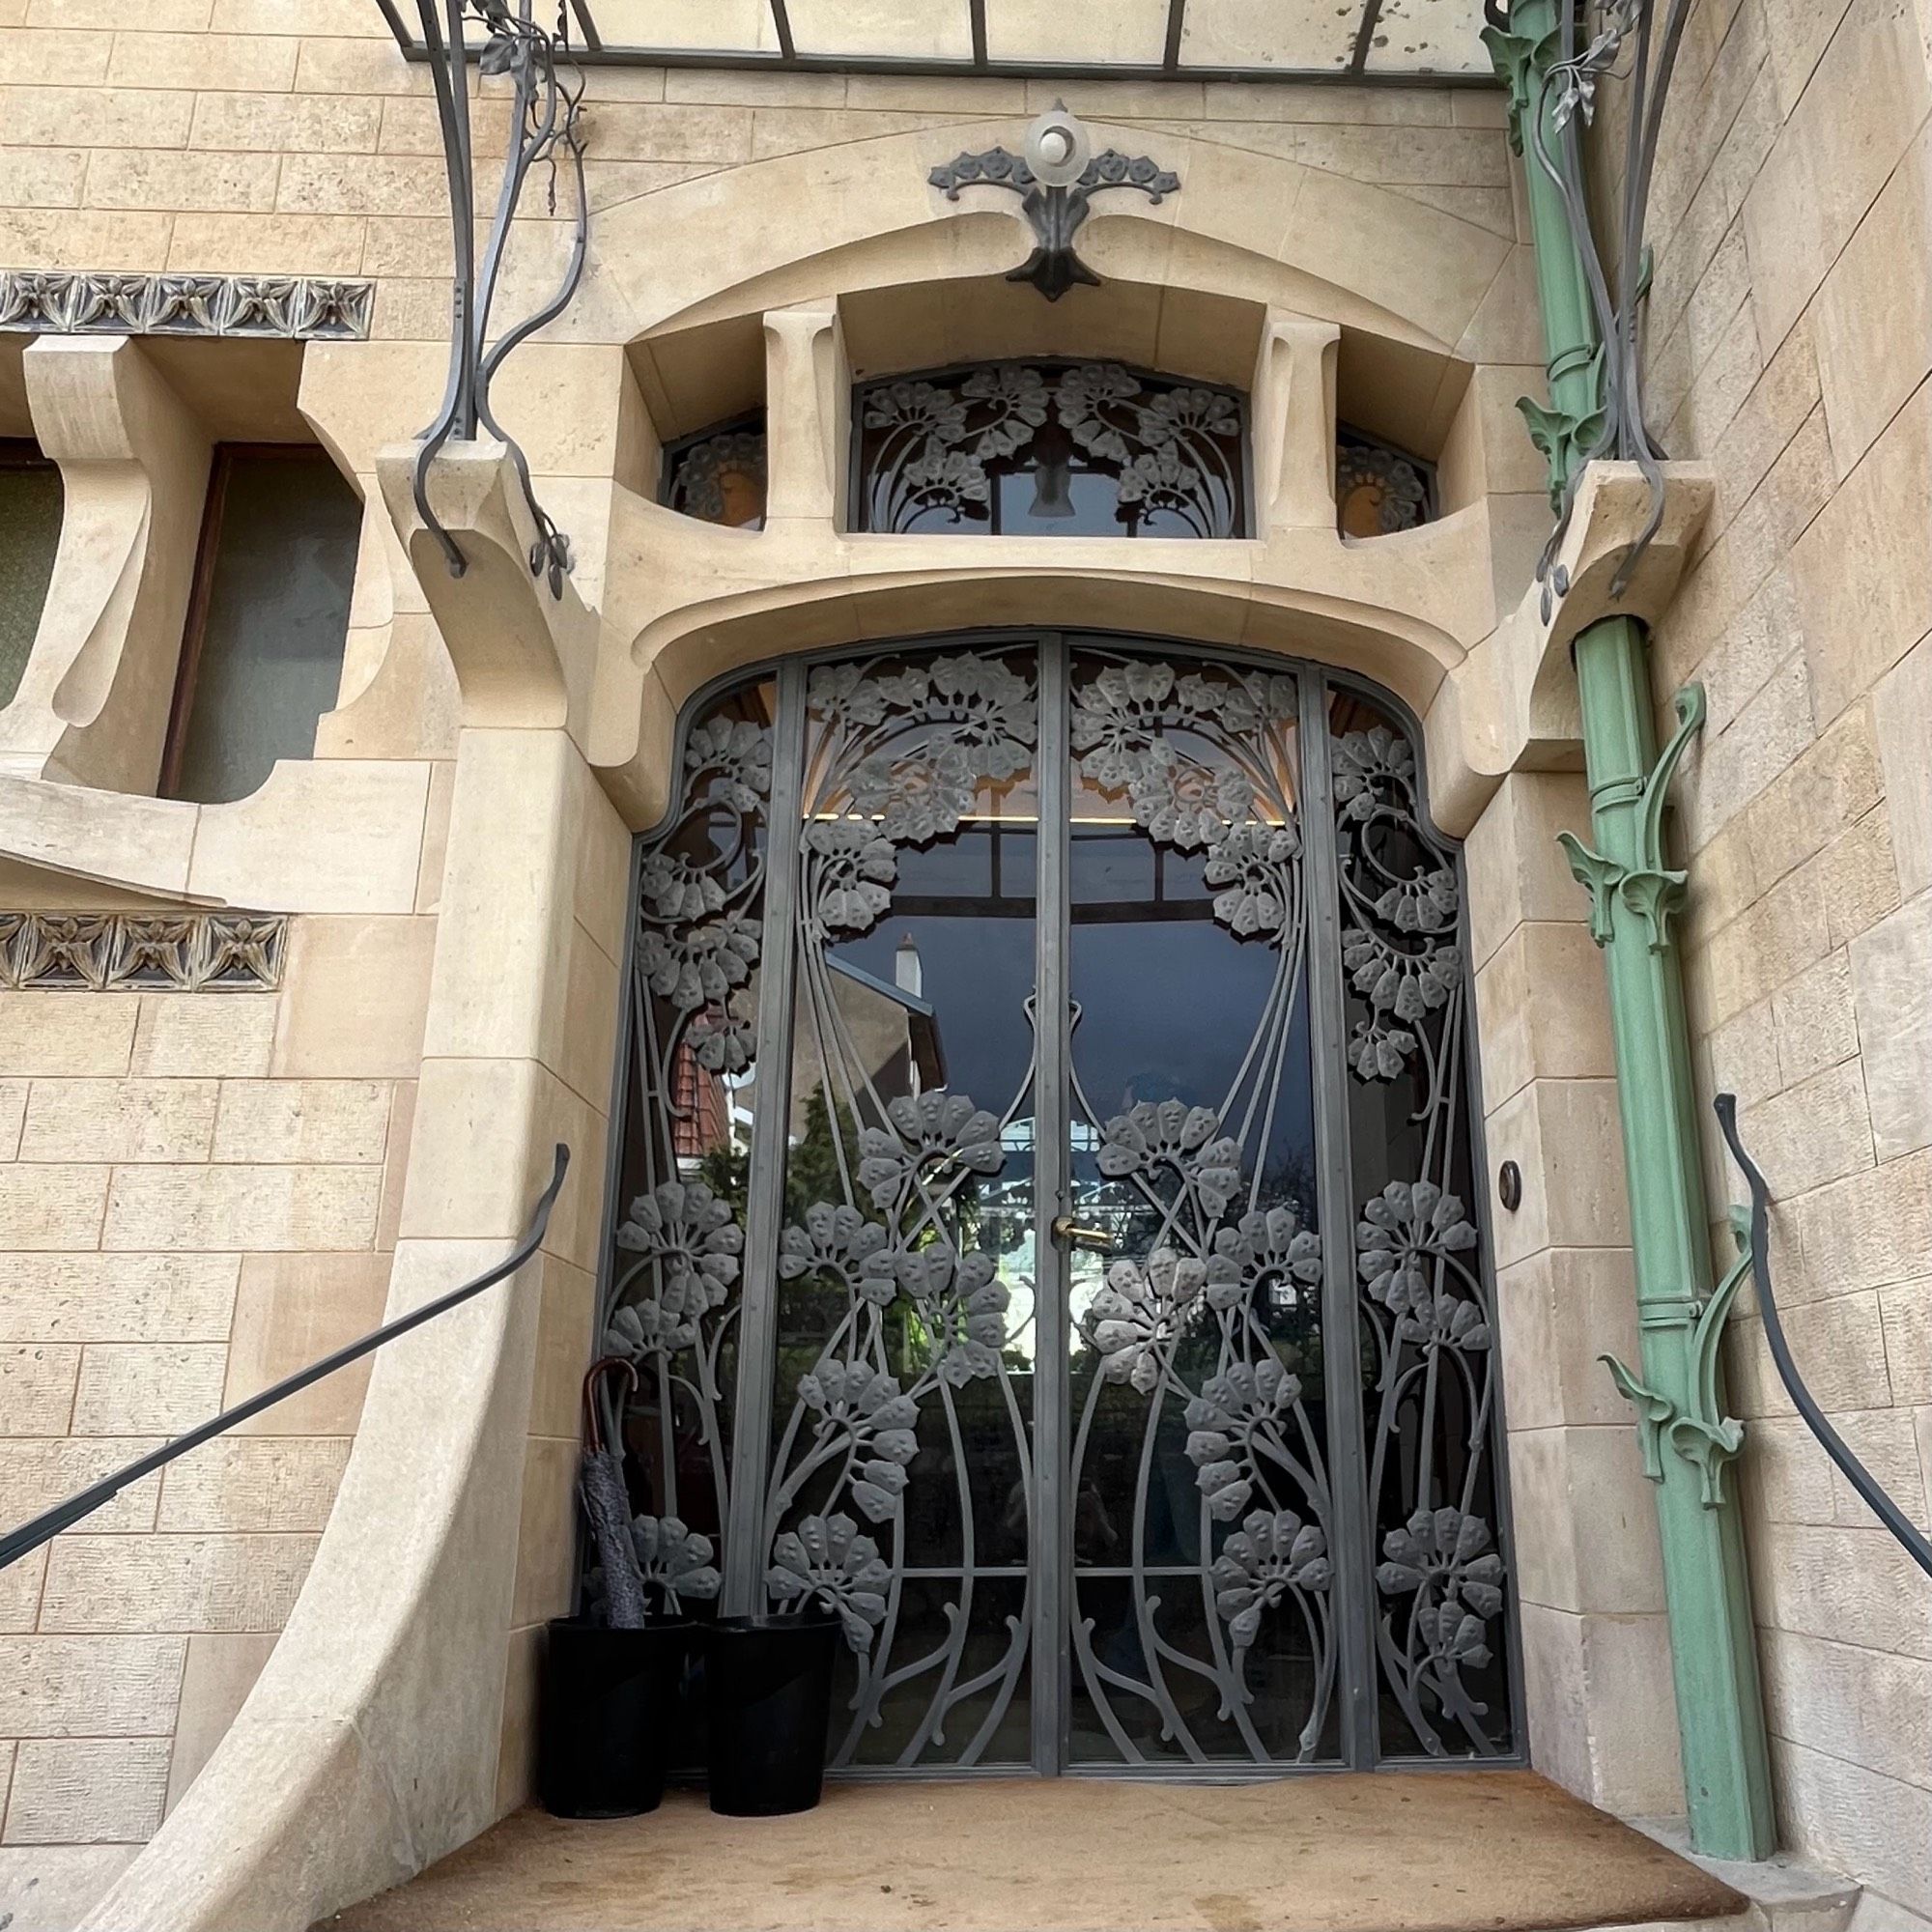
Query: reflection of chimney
{"x": 908, "y": 973}
{"x": 909, "y": 977}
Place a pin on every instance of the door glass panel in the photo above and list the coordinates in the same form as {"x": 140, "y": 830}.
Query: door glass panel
{"x": 1201, "y": 1619}
{"x": 903, "y": 1400}
{"x": 1426, "y": 1302}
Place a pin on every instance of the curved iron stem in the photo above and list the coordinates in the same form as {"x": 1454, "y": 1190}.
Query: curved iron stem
{"x": 50, "y": 1523}
{"x": 544, "y": 116}
{"x": 1855, "y": 1472}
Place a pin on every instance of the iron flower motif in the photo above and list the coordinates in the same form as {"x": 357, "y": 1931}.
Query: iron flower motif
{"x": 677, "y": 889}
{"x": 827, "y": 1558}
{"x": 1264, "y": 1249}
{"x": 1115, "y": 717}
{"x": 740, "y": 752}
{"x": 673, "y": 1559}
{"x": 1187, "y": 1139}
{"x": 835, "y": 1238}
{"x": 935, "y": 1129}
{"x": 689, "y": 1236}
{"x": 1132, "y": 1323}
{"x": 961, "y": 1305}
{"x": 1269, "y": 1555}
{"x": 855, "y": 871}
{"x": 1444, "y": 1559}
{"x": 694, "y": 966}
{"x": 917, "y": 799}
{"x": 864, "y": 1408}
{"x": 1244, "y": 1400}
{"x": 1366, "y": 764}
{"x": 1405, "y": 1232}
{"x": 1254, "y": 865}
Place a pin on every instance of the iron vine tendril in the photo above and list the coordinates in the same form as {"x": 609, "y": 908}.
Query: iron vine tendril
{"x": 546, "y": 107}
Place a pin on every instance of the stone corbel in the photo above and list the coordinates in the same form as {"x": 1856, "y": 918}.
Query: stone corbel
{"x": 523, "y": 658}
{"x": 1512, "y": 705}
{"x": 92, "y": 702}
{"x": 1294, "y": 424}
{"x": 1613, "y": 505}
{"x": 807, "y": 411}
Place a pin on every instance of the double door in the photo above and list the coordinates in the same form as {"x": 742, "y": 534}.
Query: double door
{"x": 1068, "y": 1038}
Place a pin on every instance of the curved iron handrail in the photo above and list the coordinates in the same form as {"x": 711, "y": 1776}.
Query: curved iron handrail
{"x": 50, "y": 1523}
{"x": 1835, "y": 1445}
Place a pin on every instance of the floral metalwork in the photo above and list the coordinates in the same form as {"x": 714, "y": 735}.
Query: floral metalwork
{"x": 673, "y": 1561}
{"x": 672, "y": 1303}
{"x": 1652, "y": 889}
{"x": 1270, "y": 1411}
{"x": 84, "y": 302}
{"x": 1398, "y": 924}
{"x": 189, "y": 952}
{"x": 1425, "y": 1306}
{"x": 1553, "y": 82}
{"x": 917, "y": 1314}
{"x": 1379, "y": 488}
{"x": 1055, "y": 213}
{"x": 544, "y": 137}
{"x": 934, "y": 448}
{"x": 1203, "y": 762}
{"x": 716, "y": 474}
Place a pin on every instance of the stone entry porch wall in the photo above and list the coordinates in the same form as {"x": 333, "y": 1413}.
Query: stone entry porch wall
{"x": 1790, "y": 339}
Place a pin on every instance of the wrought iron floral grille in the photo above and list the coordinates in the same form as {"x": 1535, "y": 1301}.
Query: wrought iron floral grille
{"x": 719, "y": 475}
{"x": 1053, "y": 447}
{"x": 950, "y": 965}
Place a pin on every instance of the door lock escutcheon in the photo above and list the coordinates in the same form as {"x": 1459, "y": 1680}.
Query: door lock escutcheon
{"x": 1069, "y": 1234}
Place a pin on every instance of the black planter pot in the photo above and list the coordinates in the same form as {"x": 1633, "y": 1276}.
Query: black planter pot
{"x": 607, "y": 1706}
{"x": 768, "y": 1687}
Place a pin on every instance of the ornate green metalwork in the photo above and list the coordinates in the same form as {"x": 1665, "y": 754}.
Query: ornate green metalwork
{"x": 1651, "y": 889}
{"x": 1699, "y": 1429}
{"x": 1565, "y": 436}
{"x": 1521, "y": 59}
{"x": 1634, "y": 894}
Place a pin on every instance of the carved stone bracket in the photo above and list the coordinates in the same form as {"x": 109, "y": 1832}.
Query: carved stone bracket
{"x": 1650, "y": 889}
{"x": 189, "y": 953}
{"x": 79, "y": 304}
{"x": 1054, "y": 212}
{"x": 1697, "y": 1429}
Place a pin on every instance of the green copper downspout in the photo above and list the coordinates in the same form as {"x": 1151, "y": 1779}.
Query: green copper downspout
{"x": 1686, "y": 1438}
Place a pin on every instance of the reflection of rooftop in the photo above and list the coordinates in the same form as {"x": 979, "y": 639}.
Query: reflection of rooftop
{"x": 892, "y": 1033}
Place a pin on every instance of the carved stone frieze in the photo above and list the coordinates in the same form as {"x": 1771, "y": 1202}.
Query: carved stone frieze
{"x": 67, "y": 302}
{"x": 189, "y": 953}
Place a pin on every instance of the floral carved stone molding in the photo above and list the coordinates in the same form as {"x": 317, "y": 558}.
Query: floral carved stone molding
{"x": 191, "y": 953}
{"x": 85, "y": 302}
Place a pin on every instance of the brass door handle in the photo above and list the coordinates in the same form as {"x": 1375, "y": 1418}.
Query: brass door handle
{"x": 1069, "y": 1234}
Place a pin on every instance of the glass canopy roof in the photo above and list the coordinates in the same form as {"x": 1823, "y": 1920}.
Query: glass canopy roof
{"x": 1359, "y": 40}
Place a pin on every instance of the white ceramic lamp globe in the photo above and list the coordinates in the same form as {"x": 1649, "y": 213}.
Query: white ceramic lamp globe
{"x": 1057, "y": 148}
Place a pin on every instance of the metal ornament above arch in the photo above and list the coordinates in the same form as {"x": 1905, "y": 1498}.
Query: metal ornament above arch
{"x": 950, "y": 961}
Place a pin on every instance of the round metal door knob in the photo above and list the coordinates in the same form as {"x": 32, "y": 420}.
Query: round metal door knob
{"x": 1509, "y": 1186}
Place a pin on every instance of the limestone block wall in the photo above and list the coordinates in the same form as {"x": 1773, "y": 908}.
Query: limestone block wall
{"x": 1791, "y": 336}
{"x": 200, "y": 1193}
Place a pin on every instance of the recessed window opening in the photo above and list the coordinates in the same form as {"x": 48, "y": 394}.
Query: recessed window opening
{"x": 1379, "y": 488}
{"x": 267, "y": 619}
{"x": 717, "y": 475}
{"x": 30, "y": 527}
